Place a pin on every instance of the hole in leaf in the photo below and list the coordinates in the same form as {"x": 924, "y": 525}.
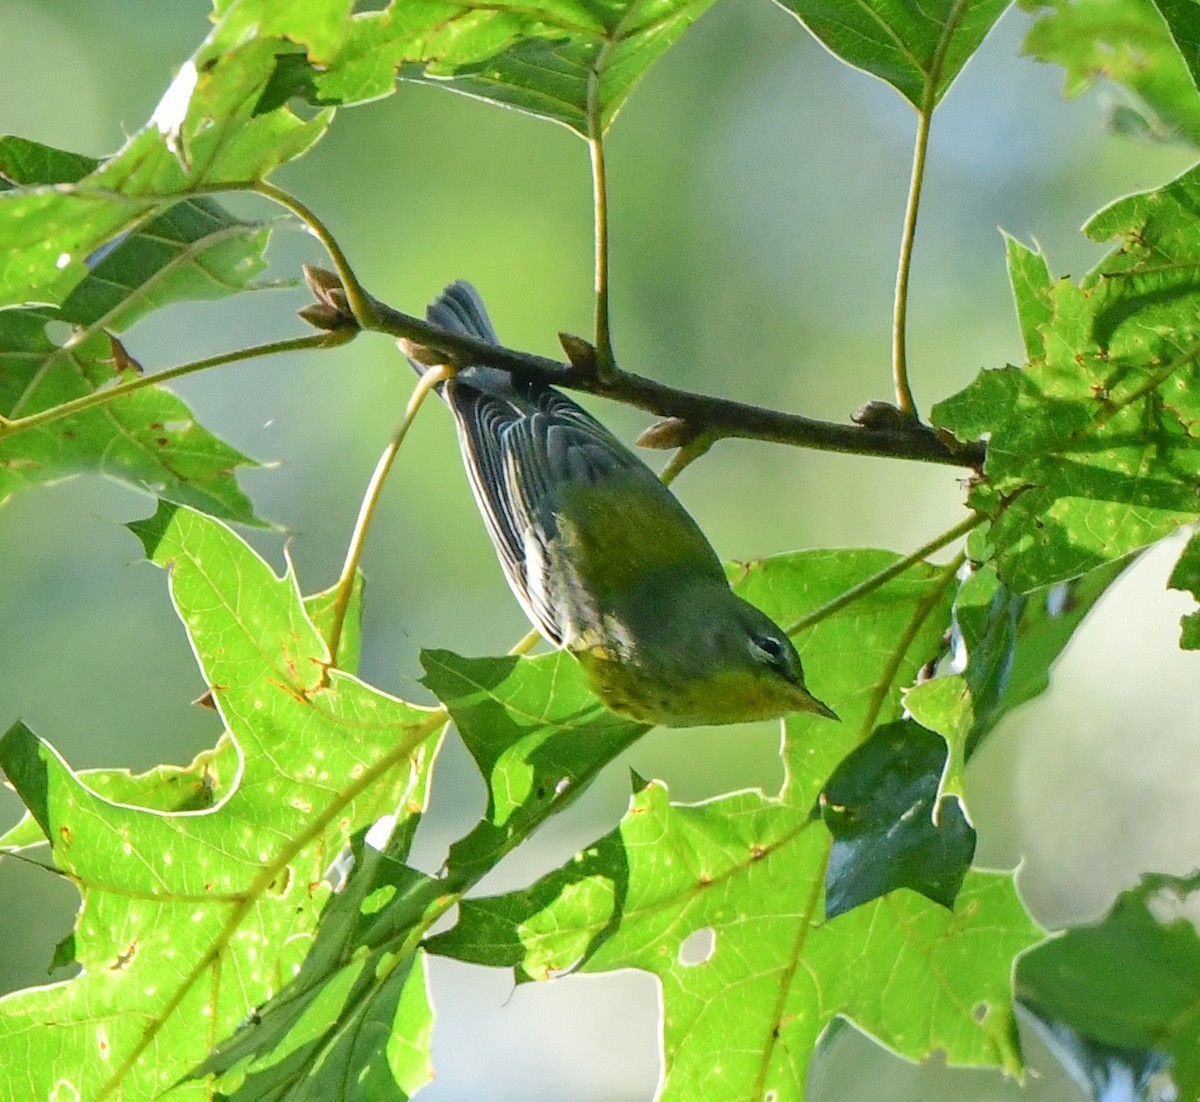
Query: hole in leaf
{"x": 58, "y": 332}
{"x": 698, "y": 946}
{"x": 980, "y": 1012}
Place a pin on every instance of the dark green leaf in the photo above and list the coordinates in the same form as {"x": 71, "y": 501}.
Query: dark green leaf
{"x": 890, "y": 830}
{"x": 1130, "y": 980}
{"x": 914, "y": 47}
{"x": 24, "y": 162}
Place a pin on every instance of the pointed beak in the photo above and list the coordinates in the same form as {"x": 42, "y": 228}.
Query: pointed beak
{"x": 804, "y": 701}
{"x": 825, "y": 710}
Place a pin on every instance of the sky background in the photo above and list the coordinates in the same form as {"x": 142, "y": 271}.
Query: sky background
{"x": 757, "y": 188}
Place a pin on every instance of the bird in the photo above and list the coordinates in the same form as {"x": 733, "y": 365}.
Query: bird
{"x": 601, "y": 555}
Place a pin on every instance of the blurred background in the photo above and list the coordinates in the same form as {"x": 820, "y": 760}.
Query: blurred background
{"x": 757, "y": 188}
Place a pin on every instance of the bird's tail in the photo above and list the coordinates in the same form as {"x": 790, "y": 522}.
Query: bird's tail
{"x": 460, "y": 309}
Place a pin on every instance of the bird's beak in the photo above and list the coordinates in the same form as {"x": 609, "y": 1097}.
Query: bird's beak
{"x": 826, "y": 711}
{"x": 806, "y": 702}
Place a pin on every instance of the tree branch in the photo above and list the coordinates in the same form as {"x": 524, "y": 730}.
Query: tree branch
{"x": 895, "y": 437}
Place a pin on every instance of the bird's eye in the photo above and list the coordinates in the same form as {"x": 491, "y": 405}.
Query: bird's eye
{"x": 770, "y": 650}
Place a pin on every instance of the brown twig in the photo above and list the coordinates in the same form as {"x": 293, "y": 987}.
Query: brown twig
{"x": 714, "y": 417}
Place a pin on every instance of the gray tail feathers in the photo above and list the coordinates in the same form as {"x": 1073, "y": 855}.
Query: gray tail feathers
{"x": 460, "y": 309}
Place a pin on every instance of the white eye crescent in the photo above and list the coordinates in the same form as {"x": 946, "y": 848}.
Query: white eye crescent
{"x": 770, "y": 650}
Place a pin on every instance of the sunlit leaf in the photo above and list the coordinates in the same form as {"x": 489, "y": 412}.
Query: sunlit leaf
{"x": 204, "y": 135}
{"x": 192, "y": 919}
{"x": 1091, "y": 451}
{"x": 572, "y": 61}
{"x": 725, "y": 901}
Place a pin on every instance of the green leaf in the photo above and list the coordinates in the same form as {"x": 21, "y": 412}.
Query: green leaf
{"x": 1186, "y": 575}
{"x": 1129, "y": 980}
{"x": 357, "y": 1013}
{"x": 27, "y": 162}
{"x": 537, "y": 733}
{"x": 1125, "y": 41}
{"x": 205, "y": 134}
{"x": 197, "y": 917}
{"x": 194, "y": 250}
{"x": 541, "y": 737}
{"x": 1010, "y": 640}
{"x": 572, "y": 61}
{"x": 724, "y": 901}
{"x": 916, "y": 48}
{"x": 890, "y": 829}
{"x": 1092, "y": 444}
{"x": 1184, "y": 24}
{"x": 721, "y": 902}
{"x": 210, "y": 776}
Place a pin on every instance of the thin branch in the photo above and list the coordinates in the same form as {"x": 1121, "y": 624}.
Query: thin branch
{"x": 904, "y": 395}
{"x": 868, "y": 585}
{"x": 361, "y": 303}
{"x": 111, "y": 394}
{"x": 716, "y": 417}
{"x": 345, "y": 583}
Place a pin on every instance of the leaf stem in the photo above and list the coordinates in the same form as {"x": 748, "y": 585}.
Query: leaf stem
{"x": 362, "y": 305}
{"x": 605, "y": 364}
{"x": 926, "y": 605}
{"x": 868, "y": 585}
{"x": 904, "y": 395}
{"x": 110, "y": 394}
{"x": 345, "y": 582}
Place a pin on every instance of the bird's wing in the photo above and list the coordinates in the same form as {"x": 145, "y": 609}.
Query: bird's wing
{"x": 519, "y": 451}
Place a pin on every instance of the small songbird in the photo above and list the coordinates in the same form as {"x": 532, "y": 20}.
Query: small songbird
{"x": 602, "y": 556}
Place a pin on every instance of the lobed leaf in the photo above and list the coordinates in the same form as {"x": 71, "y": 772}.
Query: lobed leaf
{"x": 205, "y": 135}
{"x": 1091, "y": 450}
{"x": 191, "y": 919}
{"x": 50, "y": 356}
{"x": 572, "y": 61}
{"x": 209, "y": 777}
{"x": 725, "y": 901}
